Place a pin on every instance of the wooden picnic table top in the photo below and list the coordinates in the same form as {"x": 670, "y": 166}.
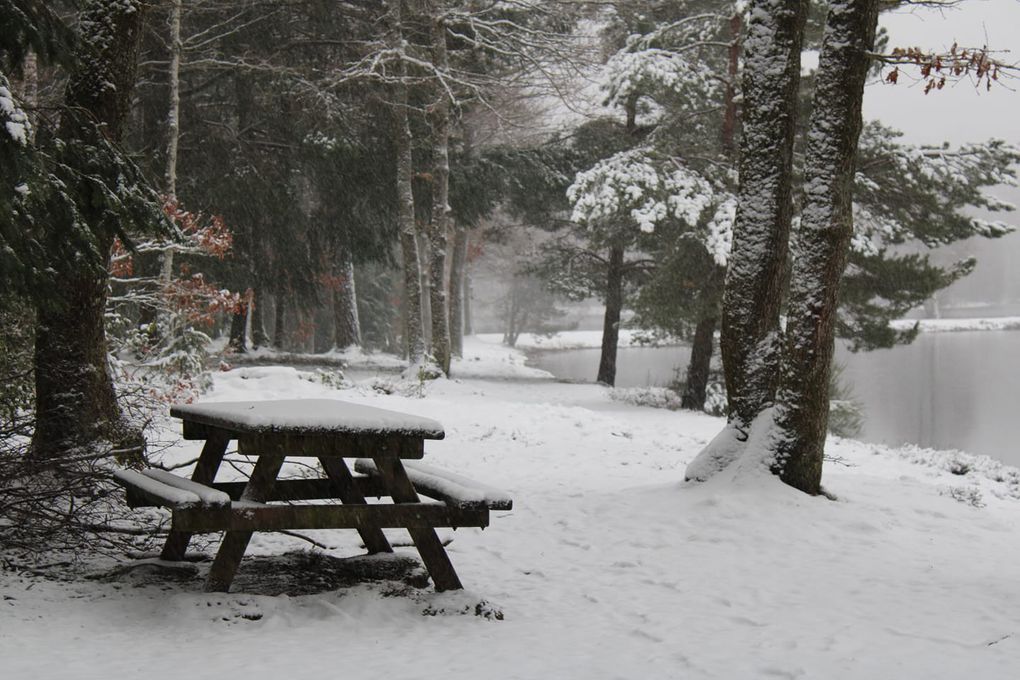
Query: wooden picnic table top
{"x": 307, "y": 417}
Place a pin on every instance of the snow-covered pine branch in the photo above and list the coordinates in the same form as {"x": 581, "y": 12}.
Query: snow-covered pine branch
{"x": 633, "y": 188}
{"x": 904, "y": 192}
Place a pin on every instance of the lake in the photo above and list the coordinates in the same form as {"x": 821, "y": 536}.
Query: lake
{"x": 954, "y": 390}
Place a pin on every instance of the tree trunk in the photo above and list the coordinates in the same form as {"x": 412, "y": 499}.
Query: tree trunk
{"x": 346, "y": 324}
{"x": 614, "y": 282}
{"x": 611, "y": 324}
{"x": 458, "y": 267}
{"x": 414, "y": 341}
{"x": 279, "y": 320}
{"x": 259, "y": 337}
{"x": 75, "y": 400}
{"x": 469, "y": 328}
{"x": 238, "y": 331}
{"x": 750, "y": 342}
{"x": 823, "y": 242}
{"x": 173, "y": 133}
{"x": 439, "y": 117}
{"x": 729, "y": 127}
{"x": 700, "y": 366}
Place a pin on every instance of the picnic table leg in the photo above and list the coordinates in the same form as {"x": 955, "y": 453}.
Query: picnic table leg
{"x": 228, "y": 557}
{"x": 205, "y": 473}
{"x": 429, "y": 546}
{"x": 336, "y": 469}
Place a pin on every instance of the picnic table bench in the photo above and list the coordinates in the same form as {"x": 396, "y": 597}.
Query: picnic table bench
{"x": 330, "y": 431}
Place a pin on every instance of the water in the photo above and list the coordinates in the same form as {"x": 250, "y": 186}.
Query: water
{"x": 946, "y": 390}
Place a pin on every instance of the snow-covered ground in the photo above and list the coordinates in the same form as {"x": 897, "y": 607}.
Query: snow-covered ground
{"x": 609, "y": 566}
{"x": 563, "y": 339}
{"x": 994, "y": 323}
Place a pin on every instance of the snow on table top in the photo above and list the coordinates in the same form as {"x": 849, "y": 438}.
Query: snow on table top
{"x": 304, "y": 416}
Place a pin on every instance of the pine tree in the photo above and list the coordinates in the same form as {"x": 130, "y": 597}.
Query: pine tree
{"x": 75, "y": 399}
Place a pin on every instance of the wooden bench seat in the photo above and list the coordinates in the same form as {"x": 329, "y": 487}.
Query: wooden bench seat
{"x": 153, "y": 487}
{"x": 455, "y": 490}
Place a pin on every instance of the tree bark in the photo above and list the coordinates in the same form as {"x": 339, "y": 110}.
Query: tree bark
{"x": 611, "y": 322}
{"x": 75, "y": 399}
{"x": 173, "y": 132}
{"x": 729, "y": 128}
{"x": 822, "y": 244}
{"x": 414, "y": 340}
{"x": 238, "y": 331}
{"x": 346, "y": 324}
{"x": 458, "y": 267}
{"x": 700, "y": 366}
{"x": 279, "y": 319}
{"x": 440, "y": 120}
{"x": 750, "y": 343}
{"x": 259, "y": 337}
{"x": 469, "y": 327}
{"x": 614, "y": 282}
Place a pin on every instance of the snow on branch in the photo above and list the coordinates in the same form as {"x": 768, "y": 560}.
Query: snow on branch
{"x": 636, "y": 189}
{"x": 905, "y": 192}
{"x": 652, "y": 70}
{"x": 13, "y": 117}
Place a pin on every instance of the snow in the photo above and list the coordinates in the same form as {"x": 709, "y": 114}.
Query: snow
{"x": 14, "y": 118}
{"x": 648, "y": 190}
{"x": 173, "y": 495}
{"x": 302, "y": 415}
{"x": 608, "y": 566}
{"x": 207, "y": 495}
{"x": 561, "y": 340}
{"x": 447, "y": 484}
{"x": 998, "y": 323}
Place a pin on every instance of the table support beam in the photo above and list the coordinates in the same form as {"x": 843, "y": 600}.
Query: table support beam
{"x": 205, "y": 472}
{"x": 228, "y": 557}
{"x": 425, "y": 539}
{"x": 337, "y": 471}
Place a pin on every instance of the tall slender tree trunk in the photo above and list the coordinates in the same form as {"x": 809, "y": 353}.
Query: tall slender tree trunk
{"x": 279, "y": 318}
{"x": 173, "y": 132}
{"x": 458, "y": 266}
{"x": 822, "y": 244}
{"x": 729, "y": 127}
{"x": 750, "y": 342}
{"x": 259, "y": 337}
{"x": 469, "y": 327}
{"x": 440, "y": 120}
{"x": 700, "y": 366}
{"x": 346, "y": 324}
{"x": 710, "y": 302}
{"x": 614, "y": 282}
{"x": 414, "y": 340}
{"x": 75, "y": 400}
{"x": 611, "y": 321}
{"x": 239, "y": 331}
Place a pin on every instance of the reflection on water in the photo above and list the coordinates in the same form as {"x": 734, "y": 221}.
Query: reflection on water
{"x": 946, "y": 390}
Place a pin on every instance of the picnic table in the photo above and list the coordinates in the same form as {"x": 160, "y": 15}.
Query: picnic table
{"x": 385, "y": 445}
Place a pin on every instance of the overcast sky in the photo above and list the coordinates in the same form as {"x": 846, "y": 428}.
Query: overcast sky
{"x": 959, "y": 113}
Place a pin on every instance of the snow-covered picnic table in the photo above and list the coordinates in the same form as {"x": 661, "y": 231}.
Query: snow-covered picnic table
{"x": 330, "y": 431}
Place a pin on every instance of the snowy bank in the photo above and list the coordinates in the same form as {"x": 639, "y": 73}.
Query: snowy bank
{"x": 997, "y": 323}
